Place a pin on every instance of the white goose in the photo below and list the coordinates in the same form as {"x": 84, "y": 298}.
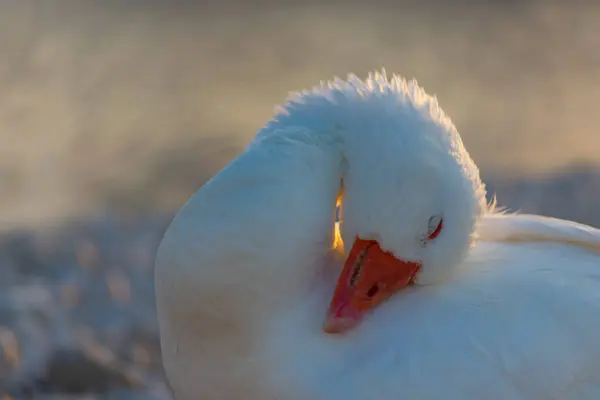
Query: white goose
{"x": 503, "y": 306}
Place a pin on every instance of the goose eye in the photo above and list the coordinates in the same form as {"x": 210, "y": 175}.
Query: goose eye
{"x": 434, "y": 227}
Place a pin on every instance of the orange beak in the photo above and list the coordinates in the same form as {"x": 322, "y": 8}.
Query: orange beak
{"x": 370, "y": 276}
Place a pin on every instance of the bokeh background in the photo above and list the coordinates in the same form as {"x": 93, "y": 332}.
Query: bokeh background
{"x": 113, "y": 112}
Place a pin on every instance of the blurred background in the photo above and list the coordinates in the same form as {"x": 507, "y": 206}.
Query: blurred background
{"x": 113, "y": 112}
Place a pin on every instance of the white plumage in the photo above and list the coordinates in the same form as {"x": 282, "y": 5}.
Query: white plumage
{"x": 505, "y": 306}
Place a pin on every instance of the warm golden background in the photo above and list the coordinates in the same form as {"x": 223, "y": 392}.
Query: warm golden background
{"x": 113, "y": 112}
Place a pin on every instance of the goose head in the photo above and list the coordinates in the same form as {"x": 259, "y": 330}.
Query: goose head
{"x": 412, "y": 195}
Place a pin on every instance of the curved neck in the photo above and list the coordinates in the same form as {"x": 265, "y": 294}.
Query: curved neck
{"x": 256, "y": 232}
{"x": 245, "y": 247}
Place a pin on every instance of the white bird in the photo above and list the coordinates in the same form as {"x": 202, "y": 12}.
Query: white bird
{"x": 493, "y": 306}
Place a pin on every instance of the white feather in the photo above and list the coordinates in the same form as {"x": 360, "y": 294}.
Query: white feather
{"x": 508, "y": 306}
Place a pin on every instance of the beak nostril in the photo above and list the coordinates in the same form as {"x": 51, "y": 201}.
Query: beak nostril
{"x": 373, "y": 291}
{"x": 370, "y": 276}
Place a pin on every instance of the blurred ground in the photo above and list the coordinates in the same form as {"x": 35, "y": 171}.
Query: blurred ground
{"x": 77, "y": 311}
{"x": 112, "y": 113}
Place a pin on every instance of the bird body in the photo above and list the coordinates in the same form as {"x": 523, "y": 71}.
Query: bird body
{"x": 502, "y": 306}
